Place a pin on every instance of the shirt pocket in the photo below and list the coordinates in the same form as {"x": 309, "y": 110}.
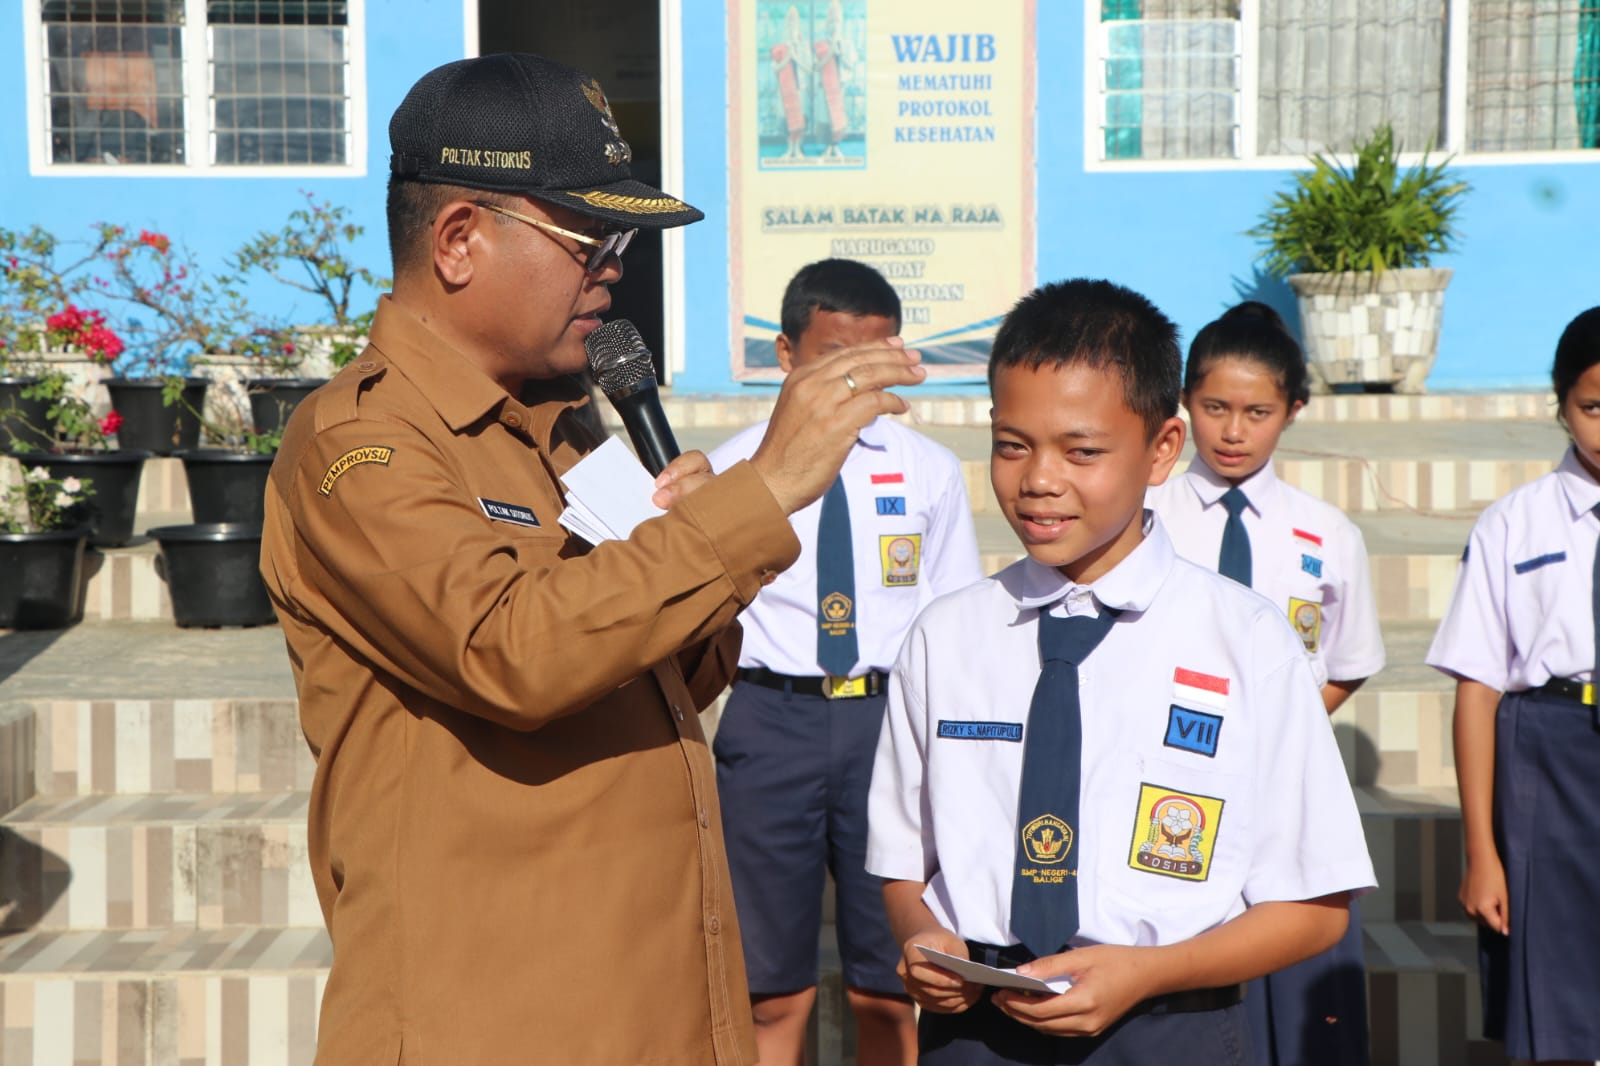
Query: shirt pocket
{"x": 1181, "y": 849}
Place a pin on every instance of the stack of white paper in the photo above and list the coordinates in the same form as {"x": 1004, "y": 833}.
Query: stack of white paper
{"x": 608, "y": 493}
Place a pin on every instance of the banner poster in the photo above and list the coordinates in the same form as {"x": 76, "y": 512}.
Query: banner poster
{"x": 896, "y": 132}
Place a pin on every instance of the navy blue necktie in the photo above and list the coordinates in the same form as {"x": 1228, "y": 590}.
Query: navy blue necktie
{"x": 836, "y": 586}
{"x": 1044, "y": 896}
{"x": 1234, "y": 561}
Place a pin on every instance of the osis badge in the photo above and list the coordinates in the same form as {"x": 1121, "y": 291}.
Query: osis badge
{"x": 1174, "y": 833}
{"x": 1306, "y": 617}
{"x": 1046, "y": 841}
{"x": 901, "y": 556}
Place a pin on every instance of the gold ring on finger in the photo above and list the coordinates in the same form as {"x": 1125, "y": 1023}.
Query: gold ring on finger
{"x": 851, "y": 382}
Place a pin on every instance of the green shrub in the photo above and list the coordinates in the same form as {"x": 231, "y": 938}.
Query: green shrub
{"x": 1369, "y": 216}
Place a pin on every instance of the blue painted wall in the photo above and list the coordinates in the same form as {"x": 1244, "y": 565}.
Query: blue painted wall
{"x": 213, "y": 216}
{"x": 1527, "y": 261}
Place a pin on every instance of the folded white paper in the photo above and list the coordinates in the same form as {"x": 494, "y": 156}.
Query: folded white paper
{"x": 608, "y": 494}
{"x": 979, "y": 974}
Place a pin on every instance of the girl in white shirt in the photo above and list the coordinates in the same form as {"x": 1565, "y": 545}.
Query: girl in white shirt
{"x": 1520, "y": 640}
{"x": 1244, "y": 382}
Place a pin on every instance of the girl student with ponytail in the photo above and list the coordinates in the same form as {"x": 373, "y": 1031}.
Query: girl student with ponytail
{"x": 1244, "y": 383}
{"x": 1520, "y": 640}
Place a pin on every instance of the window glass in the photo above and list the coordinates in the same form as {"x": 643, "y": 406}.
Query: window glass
{"x": 115, "y": 80}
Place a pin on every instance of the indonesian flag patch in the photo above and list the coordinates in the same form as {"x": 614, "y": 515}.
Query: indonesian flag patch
{"x": 1199, "y": 690}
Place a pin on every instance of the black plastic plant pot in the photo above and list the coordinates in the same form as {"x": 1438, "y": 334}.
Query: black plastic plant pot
{"x": 23, "y": 422}
{"x": 150, "y": 425}
{"x": 272, "y": 399}
{"x": 114, "y": 478}
{"x": 226, "y": 486}
{"x": 212, "y": 575}
{"x": 41, "y": 579}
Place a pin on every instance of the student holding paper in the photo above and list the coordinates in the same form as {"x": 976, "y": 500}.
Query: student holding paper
{"x": 514, "y": 827}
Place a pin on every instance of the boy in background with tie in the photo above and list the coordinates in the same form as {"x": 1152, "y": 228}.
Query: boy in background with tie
{"x": 1104, "y": 763}
{"x": 795, "y": 745}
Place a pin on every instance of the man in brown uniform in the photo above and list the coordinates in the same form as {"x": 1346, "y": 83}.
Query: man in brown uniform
{"x": 514, "y": 828}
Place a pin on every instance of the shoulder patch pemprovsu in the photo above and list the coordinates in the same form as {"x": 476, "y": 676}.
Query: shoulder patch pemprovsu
{"x": 370, "y": 453}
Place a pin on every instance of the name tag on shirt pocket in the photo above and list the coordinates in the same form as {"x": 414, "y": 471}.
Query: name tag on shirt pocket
{"x": 514, "y": 513}
{"x": 1011, "y": 731}
{"x": 1529, "y": 565}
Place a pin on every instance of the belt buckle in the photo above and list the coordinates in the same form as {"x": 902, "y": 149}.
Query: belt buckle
{"x": 844, "y": 688}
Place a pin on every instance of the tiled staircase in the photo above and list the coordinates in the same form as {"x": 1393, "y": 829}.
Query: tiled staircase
{"x": 156, "y": 906}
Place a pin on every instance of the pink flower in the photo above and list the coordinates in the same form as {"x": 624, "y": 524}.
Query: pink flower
{"x": 288, "y": 349}
{"x": 110, "y": 423}
{"x": 158, "y": 241}
{"x": 70, "y": 484}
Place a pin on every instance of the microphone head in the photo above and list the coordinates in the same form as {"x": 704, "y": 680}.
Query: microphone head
{"x": 619, "y": 358}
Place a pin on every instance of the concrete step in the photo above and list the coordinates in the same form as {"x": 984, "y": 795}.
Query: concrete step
{"x": 199, "y": 997}
{"x": 1423, "y": 1002}
{"x": 157, "y": 861}
{"x": 1414, "y": 837}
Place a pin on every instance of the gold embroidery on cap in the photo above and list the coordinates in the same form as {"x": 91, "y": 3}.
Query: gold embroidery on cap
{"x": 372, "y": 453}
{"x": 633, "y": 205}
{"x": 486, "y": 157}
{"x": 617, "y": 152}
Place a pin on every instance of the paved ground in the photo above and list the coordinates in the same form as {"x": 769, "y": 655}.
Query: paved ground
{"x": 144, "y": 660}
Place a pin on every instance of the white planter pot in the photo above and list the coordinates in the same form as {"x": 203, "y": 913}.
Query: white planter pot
{"x": 1371, "y": 329}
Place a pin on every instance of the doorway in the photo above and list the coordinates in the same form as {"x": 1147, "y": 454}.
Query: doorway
{"x": 619, "y": 42}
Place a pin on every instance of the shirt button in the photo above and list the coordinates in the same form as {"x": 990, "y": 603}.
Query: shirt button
{"x": 512, "y": 419}
{"x": 714, "y": 925}
{"x": 677, "y": 711}
{"x": 366, "y": 366}
{"x": 705, "y": 819}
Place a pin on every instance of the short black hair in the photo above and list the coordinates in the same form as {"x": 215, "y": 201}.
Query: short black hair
{"x": 413, "y": 205}
{"x": 1100, "y": 325}
{"x": 1576, "y": 351}
{"x": 836, "y": 285}
{"x": 1254, "y": 332}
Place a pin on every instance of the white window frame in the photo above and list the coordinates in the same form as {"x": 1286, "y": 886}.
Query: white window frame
{"x": 199, "y": 105}
{"x": 1456, "y": 78}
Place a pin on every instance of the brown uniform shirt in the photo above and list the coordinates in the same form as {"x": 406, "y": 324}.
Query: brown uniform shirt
{"x": 514, "y": 829}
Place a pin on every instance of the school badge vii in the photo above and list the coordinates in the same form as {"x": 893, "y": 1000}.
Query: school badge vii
{"x": 1175, "y": 833}
{"x": 1046, "y": 840}
{"x": 1306, "y": 617}
{"x": 901, "y": 556}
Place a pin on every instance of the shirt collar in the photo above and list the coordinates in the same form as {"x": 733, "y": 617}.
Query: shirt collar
{"x": 1129, "y": 586}
{"x": 1260, "y": 488}
{"x": 459, "y": 391}
{"x": 1581, "y": 490}
{"x": 872, "y": 435}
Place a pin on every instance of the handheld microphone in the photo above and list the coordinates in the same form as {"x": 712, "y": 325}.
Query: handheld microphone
{"x": 621, "y": 365}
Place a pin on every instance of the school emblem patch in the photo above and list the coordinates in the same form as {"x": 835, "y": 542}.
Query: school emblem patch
{"x": 1306, "y": 617}
{"x": 901, "y": 556}
{"x": 1174, "y": 833}
{"x": 372, "y": 453}
{"x": 836, "y": 610}
{"x": 1046, "y": 840}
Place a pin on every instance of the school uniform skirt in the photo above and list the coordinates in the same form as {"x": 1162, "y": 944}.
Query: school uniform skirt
{"x": 1541, "y": 984}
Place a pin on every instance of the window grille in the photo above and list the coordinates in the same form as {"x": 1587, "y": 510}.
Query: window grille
{"x": 115, "y": 77}
{"x": 1324, "y": 73}
{"x": 200, "y": 83}
{"x": 278, "y": 76}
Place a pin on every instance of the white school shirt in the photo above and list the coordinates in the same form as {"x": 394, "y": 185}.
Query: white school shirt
{"x": 911, "y": 539}
{"x": 1306, "y": 556}
{"x": 1521, "y": 612}
{"x": 1211, "y": 780}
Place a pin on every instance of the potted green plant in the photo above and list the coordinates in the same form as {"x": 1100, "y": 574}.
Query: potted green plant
{"x": 42, "y": 535}
{"x": 35, "y": 285}
{"x": 181, "y": 315}
{"x": 81, "y": 449}
{"x": 311, "y": 255}
{"x": 1357, "y": 243}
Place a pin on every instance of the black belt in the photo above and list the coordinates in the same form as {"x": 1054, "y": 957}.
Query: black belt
{"x": 1572, "y": 690}
{"x": 1185, "y": 1002}
{"x": 831, "y": 688}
